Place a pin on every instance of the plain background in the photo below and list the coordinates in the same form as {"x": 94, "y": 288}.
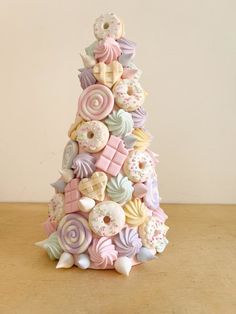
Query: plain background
{"x": 187, "y": 51}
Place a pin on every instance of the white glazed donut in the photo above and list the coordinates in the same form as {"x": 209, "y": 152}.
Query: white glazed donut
{"x": 107, "y": 219}
{"x": 138, "y": 166}
{"x": 108, "y": 25}
{"x": 93, "y": 136}
{"x": 128, "y": 94}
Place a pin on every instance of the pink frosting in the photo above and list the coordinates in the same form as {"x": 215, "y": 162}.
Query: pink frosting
{"x": 84, "y": 165}
{"x": 95, "y": 102}
{"x": 128, "y": 242}
{"x": 160, "y": 214}
{"x": 139, "y": 117}
{"x": 107, "y": 50}
{"x": 102, "y": 253}
{"x": 86, "y": 77}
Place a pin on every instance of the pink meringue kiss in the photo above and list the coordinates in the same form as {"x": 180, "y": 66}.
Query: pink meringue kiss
{"x": 102, "y": 253}
{"x": 107, "y": 50}
{"x": 95, "y": 102}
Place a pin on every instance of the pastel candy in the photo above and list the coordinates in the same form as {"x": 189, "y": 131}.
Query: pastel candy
{"x": 85, "y": 204}
{"x": 151, "y": 198}
{"x": 72, "y": 196}
{"x": 83, "y": 165}
{"x": 82, "y": 261}
{"x": 102, "y": 253}
{"x": 128, "y": 242}
{"x": 145, "y": 255}
{"x": 140, "y": 190}
{"x": 74, "y": 234}
{"x": 66, "y": 260}
{"x": 113, "y": 156}
{"x": 92, "y": 136}
{"x": 119, "y": 189}
{"x": 86, "y": 77}
{"x": 108, "y": 74}
{"x": 95, "y": 102}
{"x": 107, "y": 219}
{"x": 123, "y": 265}
{"x": 59, "y": 185}
{"x": 108, "y": 25}
{"x": 70, "y": 151}
{"x": 95, "y": 186}
{"x": 51, "y": 246}
{"x": 107, "y": 50}
{"x": 119, "y": 123}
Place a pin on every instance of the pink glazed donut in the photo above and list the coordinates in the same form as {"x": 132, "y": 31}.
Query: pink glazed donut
{"x": 93, "y": 136}
{"x": 128, "y": 94}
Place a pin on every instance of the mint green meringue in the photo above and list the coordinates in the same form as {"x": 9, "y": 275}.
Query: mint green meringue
{"x": 120, "y": 189}
{"x": 51, "y": 246}
{"x": 120, "y": 123}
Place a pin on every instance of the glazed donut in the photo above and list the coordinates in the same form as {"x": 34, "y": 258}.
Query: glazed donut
{"x": 108, "y": 25}
{"x": 138, "y": 166}
{"x": 93, "y": 136}
{"x": 107, "y": 219}
{"x": 128, "y": 94}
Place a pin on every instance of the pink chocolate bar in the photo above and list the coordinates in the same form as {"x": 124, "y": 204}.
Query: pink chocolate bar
{"x": 113, "y": 156}
{"x": 72, "y": 196}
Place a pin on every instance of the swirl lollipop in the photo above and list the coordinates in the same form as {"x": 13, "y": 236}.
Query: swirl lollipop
{"x": 74, "y": 234}
{"x": 95, "y": 103}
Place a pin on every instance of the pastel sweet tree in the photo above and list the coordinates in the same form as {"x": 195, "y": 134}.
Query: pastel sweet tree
{"x": 105, "y": 212}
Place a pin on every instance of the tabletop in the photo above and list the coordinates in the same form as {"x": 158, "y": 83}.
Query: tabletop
{"x": 195, "y": 274}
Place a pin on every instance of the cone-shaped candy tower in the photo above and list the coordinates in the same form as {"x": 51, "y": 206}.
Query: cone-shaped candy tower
{"x": 105, "y": 212}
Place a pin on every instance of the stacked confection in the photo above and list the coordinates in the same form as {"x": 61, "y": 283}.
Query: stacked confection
{"x": 105, "y": 212}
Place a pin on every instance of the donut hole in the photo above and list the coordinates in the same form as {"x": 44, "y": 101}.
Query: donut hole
{"x": 90, "y": 134}
{"x": 106, "y": 25}
{"x": 107, "y": 219}
{"x": 141, "y": 165}
{"x": 130, "y": 91}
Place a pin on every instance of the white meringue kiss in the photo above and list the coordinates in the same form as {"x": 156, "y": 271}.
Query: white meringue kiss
{"x": 66, "y": 261}
{"x": 123, "y": 265}
{"x": 82, "y": 261}
{"x": 85, "y": 204}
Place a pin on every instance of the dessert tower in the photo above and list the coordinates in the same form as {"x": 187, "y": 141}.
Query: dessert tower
{"x": 105, "y": 212}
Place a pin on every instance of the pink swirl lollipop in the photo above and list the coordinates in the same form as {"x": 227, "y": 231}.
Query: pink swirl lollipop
{"x": 74, "y": 234}
{"x": 95, "y": 103}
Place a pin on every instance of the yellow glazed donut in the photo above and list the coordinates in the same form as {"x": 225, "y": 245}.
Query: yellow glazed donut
{"x": 128, "y": 94}
{"x": 138, "y": 166}
{"x": 93, "y": 136}
{"x": 108, "y": 25}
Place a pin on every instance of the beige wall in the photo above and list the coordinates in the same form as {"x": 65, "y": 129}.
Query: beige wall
{"x": 187, "y": 52}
